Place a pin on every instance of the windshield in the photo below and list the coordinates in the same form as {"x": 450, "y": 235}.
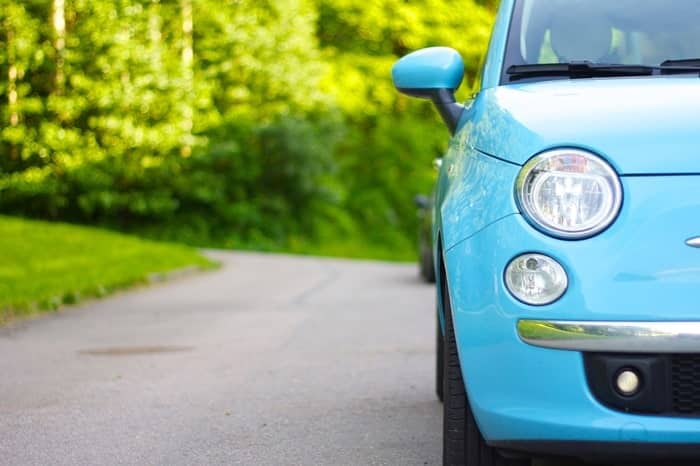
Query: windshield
{"x": 629, "y": 32}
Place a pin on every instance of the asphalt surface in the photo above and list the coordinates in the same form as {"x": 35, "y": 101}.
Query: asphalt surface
{"x": 271, "y": 360}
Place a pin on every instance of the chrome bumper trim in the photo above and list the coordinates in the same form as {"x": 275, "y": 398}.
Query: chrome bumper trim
{"x": 618, "y": 337}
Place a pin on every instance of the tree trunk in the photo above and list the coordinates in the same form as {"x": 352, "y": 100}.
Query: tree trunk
{"x": 12, "y": 96}
{"x": 188, "y": 74}
{"x": 59, "y": 28}
{"x": 155, "y": 36}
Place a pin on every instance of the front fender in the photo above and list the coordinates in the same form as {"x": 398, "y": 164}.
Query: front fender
{"x": 475, "y": 191}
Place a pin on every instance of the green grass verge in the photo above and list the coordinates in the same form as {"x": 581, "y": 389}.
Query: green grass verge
{"x": 355, "y": 250}
{"x": 45, "y": 265}
{"x": 391, "y": 246}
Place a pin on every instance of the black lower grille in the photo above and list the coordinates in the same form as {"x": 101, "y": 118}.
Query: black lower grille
{"x": 670, "y": 383}
{"x": 685, "y": 384}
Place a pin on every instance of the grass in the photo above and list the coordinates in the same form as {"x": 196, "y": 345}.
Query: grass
{"x": 353, "y": 249}
{"x": 391, "y": 246}
{"x": 45, "y": 265}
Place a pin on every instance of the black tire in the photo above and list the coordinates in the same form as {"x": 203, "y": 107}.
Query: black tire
{"x": 439, "y": 360}
{"x": 425, "y": 264}
{"x": 463, "y": 443}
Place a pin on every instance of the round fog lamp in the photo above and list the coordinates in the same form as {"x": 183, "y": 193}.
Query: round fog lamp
{"x": 627, "y": 382}
{"x": 536, "y": 279}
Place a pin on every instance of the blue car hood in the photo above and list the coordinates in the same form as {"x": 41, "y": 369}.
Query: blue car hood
{"x": 647, "y": 125}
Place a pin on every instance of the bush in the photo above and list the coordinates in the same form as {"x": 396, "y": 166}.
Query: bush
{"x": 247, "y": 123}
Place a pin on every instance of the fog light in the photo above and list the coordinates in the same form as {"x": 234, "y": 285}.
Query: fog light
{"x": 536, "y": 279}
{"x": 627, "y": 382}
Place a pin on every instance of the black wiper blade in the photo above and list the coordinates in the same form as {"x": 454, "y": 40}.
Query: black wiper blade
{"x": 693, "y": 63}
{"x": 587, "y": 69}
{"x": 578, "y": 70}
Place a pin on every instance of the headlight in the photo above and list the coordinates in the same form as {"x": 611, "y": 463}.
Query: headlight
{"x": 569, "y": 193}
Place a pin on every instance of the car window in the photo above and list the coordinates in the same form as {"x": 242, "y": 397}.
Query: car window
{"x": 644, "y": 32}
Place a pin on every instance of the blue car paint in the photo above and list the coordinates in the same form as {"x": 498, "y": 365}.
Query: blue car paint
{"x": 472, "y": 191}
{"x": 637, "y": 269}
{"x": 491, "y": 74}
{"x": 620, "y": 119}
{"x": 429, "y": 69}
{"x": 472, "y": 203}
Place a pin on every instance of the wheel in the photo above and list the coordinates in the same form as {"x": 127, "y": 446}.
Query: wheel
{"x": 427, "y": 270}
{"x": 439, "y": 360}
{"x": 463, "y": 443}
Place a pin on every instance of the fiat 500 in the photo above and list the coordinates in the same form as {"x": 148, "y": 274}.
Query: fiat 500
{"x": 566, "y": 233}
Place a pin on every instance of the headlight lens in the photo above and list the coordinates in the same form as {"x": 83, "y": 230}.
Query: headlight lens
{"x": 536, "y": 279}
{"x": 569, "y": 193}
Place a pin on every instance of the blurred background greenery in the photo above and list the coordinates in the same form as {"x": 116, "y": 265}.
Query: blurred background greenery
{"x": 252, "y": 124}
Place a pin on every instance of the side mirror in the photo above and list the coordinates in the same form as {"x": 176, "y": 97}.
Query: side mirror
{"x": 434, "y": 73}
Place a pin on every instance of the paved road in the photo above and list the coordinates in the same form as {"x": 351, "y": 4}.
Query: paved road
{"x": 272, "y": 360}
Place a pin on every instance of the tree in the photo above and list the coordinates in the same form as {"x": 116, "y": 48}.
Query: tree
{"x": 255, "y": 122}
{"x": 386, "y": 158}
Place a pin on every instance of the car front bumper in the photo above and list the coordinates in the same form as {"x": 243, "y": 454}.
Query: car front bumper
{"x": 612, "y": 336}
{"x": 637, "y": 271}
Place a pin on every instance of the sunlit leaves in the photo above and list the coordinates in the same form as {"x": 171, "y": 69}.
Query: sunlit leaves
{"x": 206, "y": 120}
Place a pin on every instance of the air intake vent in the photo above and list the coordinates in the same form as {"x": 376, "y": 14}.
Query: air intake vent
{"x": 685, "y": 384}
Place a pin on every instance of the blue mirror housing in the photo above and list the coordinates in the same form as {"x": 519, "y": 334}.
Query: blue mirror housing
{"x": 420, "y": 73}
{"x": 434, "y": 73}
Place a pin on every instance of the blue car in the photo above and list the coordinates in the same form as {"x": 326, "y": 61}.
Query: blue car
{"x": 566, "y": 233}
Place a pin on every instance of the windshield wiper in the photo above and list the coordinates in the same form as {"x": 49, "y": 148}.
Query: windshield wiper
{"x": 693, "y": 63}
{"x": 586, "y": 69}
{"x": 577, "y": 70}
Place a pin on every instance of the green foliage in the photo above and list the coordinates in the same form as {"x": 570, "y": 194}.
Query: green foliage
{"x": 386, "y": 157}
{"x": 242, "y": 123}
{"x": 45, "y": 265}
